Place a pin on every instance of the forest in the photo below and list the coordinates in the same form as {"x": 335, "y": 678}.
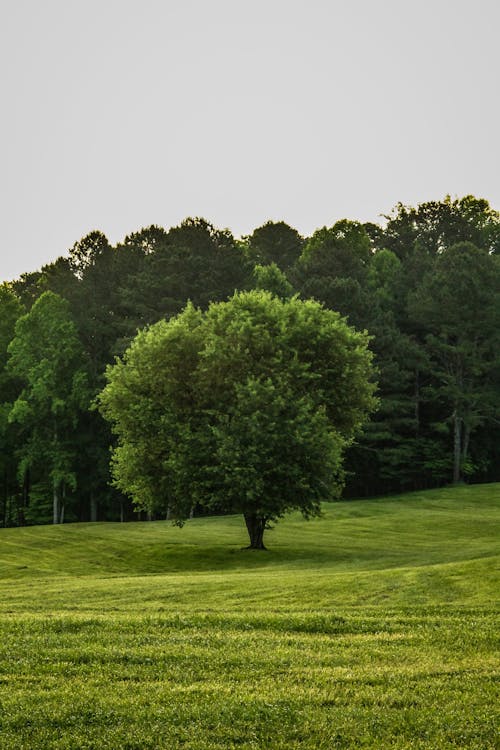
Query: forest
{"x": 424, "y": 284}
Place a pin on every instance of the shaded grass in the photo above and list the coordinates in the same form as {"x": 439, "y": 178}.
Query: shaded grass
{"x": 373, "y": 627}
{"x": 437, "y": 526}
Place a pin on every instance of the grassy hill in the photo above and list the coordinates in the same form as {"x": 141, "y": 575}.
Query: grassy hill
{"x": 373, "y": 626}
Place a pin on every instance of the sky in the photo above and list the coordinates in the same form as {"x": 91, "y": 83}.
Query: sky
{"x": 119, "y": 114}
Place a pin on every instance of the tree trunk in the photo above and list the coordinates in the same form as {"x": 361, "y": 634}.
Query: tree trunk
{"x": 417, "y": 402}
{"x": 4, "y": 498}
{"x": 457, "y": 446}
{"x": 63, "y": 504}
{"x": 93, "y": 507}
{"x": 55, "y": 487}
{"x": 55, "y": 503}
{"x": 465, "y": 450}
{"x": 21, "y": 517}
{"x": 255, "y": 527}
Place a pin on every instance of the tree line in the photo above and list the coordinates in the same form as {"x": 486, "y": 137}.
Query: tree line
{"x": 424, "y": 284}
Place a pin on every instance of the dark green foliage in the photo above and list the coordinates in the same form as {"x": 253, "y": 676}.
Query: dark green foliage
{"x": 27, "y": 288}
{"x": 95, "y": 300}
{"x": 275, "y": 242}
{"x": 434, "y": 320}
{"x": 431, "y": 310}
{"x": 333, "y": 269}
{"x": 436, "y": 225}
{"x": 193, "y": 261}
{"x": 459, "y": 305}
{"x": 10, "y": 311}
{"x": 11, "y": 495}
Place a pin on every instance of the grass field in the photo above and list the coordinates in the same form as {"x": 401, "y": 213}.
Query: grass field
{"x": 373, "y": 627}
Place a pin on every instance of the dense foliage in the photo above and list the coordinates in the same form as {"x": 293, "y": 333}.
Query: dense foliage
{"x": 243, "y": 409}
{"x": 425, "y": 285}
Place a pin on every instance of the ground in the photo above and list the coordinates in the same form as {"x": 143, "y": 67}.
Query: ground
{"x": 373, "y": 627}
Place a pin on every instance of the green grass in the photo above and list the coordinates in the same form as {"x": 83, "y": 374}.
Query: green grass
{"x": 373, "y": 627}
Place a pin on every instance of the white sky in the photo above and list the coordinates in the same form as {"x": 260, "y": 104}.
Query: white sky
{"x": 117, "y": 114}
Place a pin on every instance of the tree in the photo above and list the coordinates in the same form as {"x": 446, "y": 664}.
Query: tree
{"x": 459, "y": 305}
{"x": 333, "y": 269}
{"x": 275, "y": 242}
{"x": 94, "y": 304}
{"x": 272, "y": 280}
{"x": 245, "y": 408}
{"x": 388, "y": 457}
{"x": 11, "y": 500}
{"x": 422, "y": 306}
{"x": 47, "y": 357}
{"x": 434, "y": 226}
{"x": 193, "y": 261}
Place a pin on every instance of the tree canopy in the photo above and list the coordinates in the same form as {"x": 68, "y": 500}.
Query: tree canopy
{"x": 245, "y": 408}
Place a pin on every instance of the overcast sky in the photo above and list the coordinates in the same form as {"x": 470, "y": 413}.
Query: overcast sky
{"x": 117, "y": 114}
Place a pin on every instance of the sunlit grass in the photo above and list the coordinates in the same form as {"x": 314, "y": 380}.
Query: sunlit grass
{"x": 373, "y": 627}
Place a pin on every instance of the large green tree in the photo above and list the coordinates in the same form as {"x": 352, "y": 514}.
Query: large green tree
{"x": 245, "y": 408}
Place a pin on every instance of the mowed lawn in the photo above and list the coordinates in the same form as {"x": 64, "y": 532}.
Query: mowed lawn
{"x": 375, "y": 626}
